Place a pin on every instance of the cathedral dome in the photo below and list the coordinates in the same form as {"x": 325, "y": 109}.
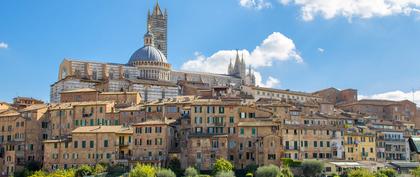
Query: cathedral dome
{"x": 148, "y": 53}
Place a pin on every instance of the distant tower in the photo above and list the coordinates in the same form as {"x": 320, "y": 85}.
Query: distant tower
{"x": 158, "y": 23}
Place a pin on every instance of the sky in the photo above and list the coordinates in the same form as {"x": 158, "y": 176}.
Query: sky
{"x": 303, "y": 45}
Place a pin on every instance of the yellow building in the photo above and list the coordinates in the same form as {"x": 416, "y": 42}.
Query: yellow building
{"x": 359, "y": 144}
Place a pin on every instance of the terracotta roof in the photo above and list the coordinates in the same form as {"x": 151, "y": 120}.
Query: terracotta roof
{"x": 285, "y": 91}
{"x": 256, "y": 124}
{"x": 9, "y": 112}
{"x": 34, "y": 107}
{"x": 103, "y": 129}
{"x": 70, "y": 105}
{"x": 151, "y": 122}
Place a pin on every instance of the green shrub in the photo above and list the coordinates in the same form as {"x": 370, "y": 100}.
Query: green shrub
{"x": 85, "y": 170}
{"x": 312, "y": 168}
{"x": 225, "y": 174}
{"x": 249, "y": 175}
{"x": 165, "y": 173}
{"x": 191, "y": 172}
{"x": 142, "y": 170}
{"x": 360, "y": 172}
{"x": 388, "y": 172}
{"x": 268, "y": 171}
{"x": 175, "y": 166}
{"x": 222, "y": 165}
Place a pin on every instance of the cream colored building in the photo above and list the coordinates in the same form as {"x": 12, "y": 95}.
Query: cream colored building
{"x": 89, "y": 145}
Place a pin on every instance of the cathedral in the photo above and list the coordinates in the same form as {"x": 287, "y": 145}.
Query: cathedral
{"x": 147, "y": 70}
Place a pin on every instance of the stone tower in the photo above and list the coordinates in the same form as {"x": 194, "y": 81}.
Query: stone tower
{"x": 157, "y": 23}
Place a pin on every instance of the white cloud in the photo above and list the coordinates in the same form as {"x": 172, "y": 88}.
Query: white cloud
{"x": 276, "y": 47}
{"x": 3, "y": 45}
{"x": 321, "y": 50}
{"x": 395, "y": 95}
{"x": 354, "y": 8}
{"x": 271, "y": 82}
{"x": 255, "y": 4}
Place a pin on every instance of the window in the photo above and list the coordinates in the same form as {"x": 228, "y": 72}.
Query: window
{"x": 315, "y": 144}
{"x": 101, "y": 109}
{"x": 242, "y": 131}
{"x": 75, "y": 144}
{"x": 271, "y": 157}
{"x": 139, "y": 130}
{"x": 242, "y": 115}
{"x": 158, "y": 129}
{"x": 221, "y": 109}
{"x": 92, "y": 144}
{"x": 197, "y": 109}
{"x": 83, "y": 144}
{"x": 254, "y": 131}
{"x": 231, "y": 119}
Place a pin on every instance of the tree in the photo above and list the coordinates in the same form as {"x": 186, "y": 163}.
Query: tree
{"x": 311, "y": 168}
{"x": 142, "y": 170}
{"x": 191, "y": 172}
{"x": 99, "y": 168}
{"x": 225, "y": 174}
{"x": 388, "y": 172}
{"x": 84, "y": 170}
{"x": 63, "y": 173}
{"x": 286, "y": 172}
{"x": 165, "y": 173}
{"x": 251, "y": 168}
{"x": 360, "y": 172}
{"x": 416, "y": 172}
{"x": 268, "y": 171}
{"x": 39, "y": 173}
{"x": 175, "y": 166}
{"x": 222, "y": 165}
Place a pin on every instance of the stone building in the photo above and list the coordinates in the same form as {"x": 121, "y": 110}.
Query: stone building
{"x": 403, "y": 111}
{"x": 359, "y": 144}
{"x": 336, "y": 96}
{"x": 21, "y": 137}
{"x": 147, "y": 72}
{"x": 153, "y": 141}
{"x": 89, "y": 145}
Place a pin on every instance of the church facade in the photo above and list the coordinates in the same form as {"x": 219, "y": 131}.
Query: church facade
{"x": 147, "y": 71}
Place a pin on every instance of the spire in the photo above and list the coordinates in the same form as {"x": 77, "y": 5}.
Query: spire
{"x": 157, "y": 10}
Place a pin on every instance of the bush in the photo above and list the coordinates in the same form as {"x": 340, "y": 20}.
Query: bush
{"x": 99, "y": 168}
{"x": 290, "y": 162}
{"x": 225, "y": 174}
{"x": 84, "y": 170}
{"x": 142, "y": 170}
{"x": 249, "y": 175}
{"x": 251, "y": 168}
{"x": 222, "y": 165}
{"x": 175, "y": 166}
{"x": 312, "y": 168}
{"x": 63, "y": 173}
{"x": 165, "y": 173}
{"x": 416, "y": 172}
{"x": 39, "y": 174}
{"x": 286, "y": 172}
{"x": 268, "y": 171}
{"x": 388, "y": 172}
{"x": 191, "y": 172}
{"x": 360, "y": 172}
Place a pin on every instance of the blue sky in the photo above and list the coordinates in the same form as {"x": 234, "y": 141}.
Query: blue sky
{"x": 376, "y": 51}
